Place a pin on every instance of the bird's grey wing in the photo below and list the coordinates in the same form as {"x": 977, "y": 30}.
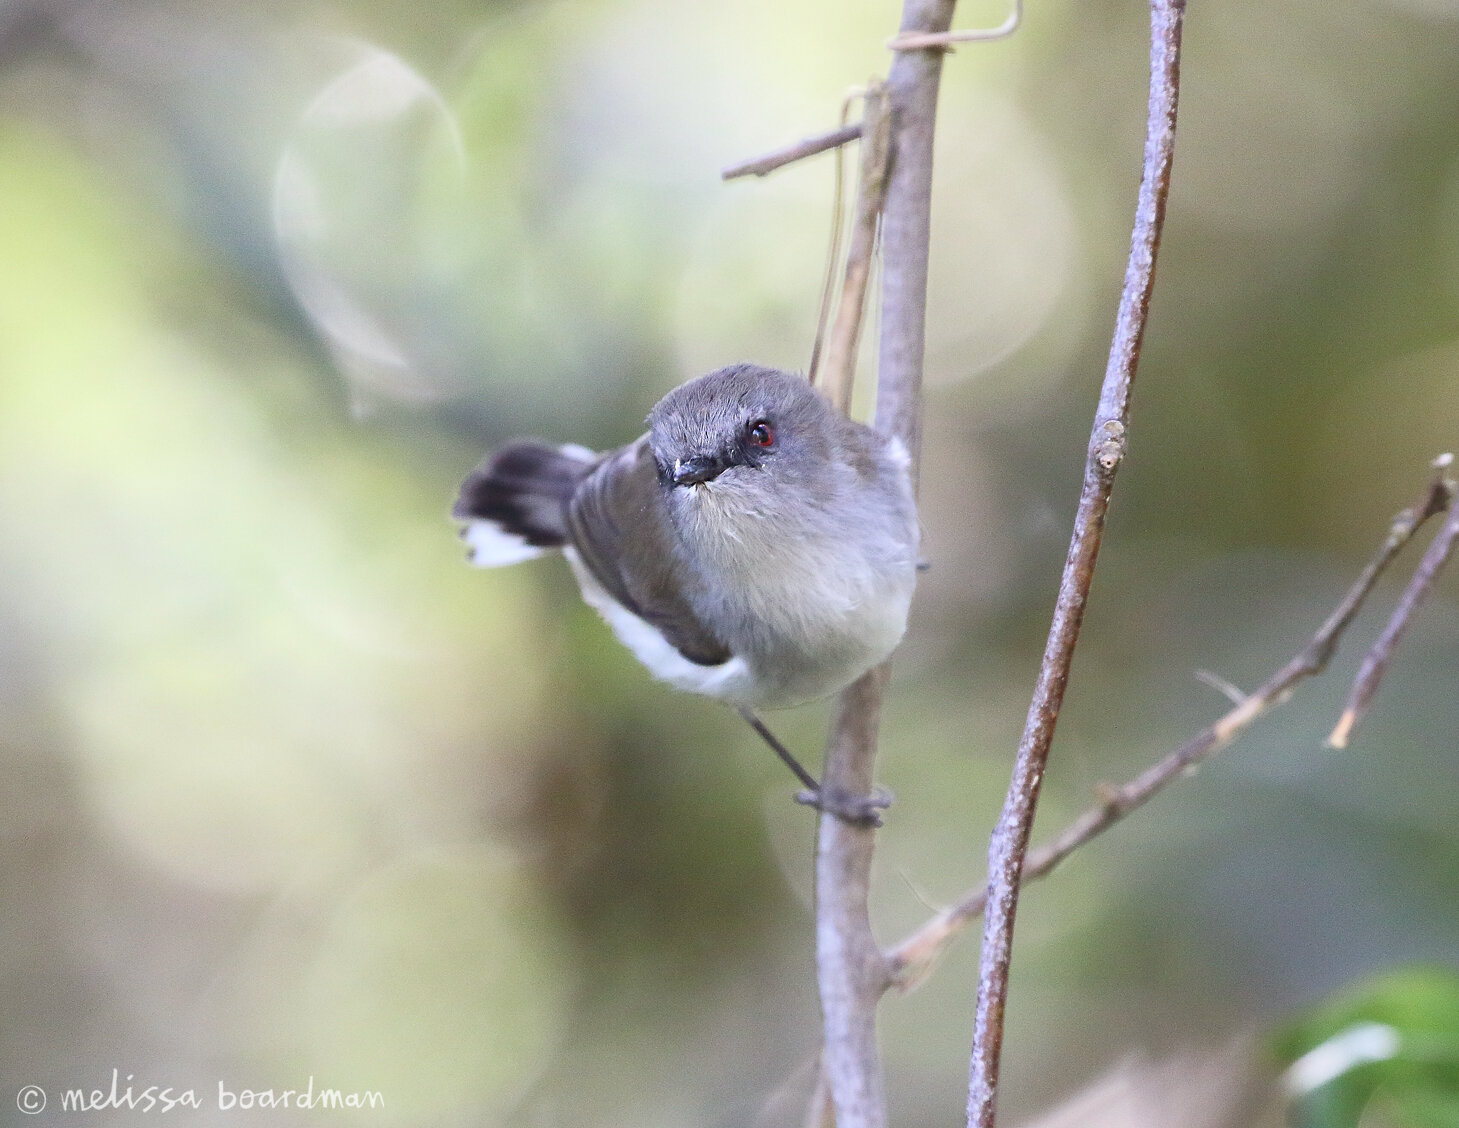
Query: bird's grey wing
{"x": 617, "y": 523}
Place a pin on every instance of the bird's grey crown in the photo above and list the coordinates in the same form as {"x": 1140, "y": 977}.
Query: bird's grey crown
{"x": 705, "y": 421}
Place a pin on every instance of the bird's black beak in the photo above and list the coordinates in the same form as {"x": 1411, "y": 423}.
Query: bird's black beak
{"x": 696, "y": 470}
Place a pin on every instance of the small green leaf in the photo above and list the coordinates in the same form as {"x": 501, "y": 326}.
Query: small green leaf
{"x": 1388, "y": 1049}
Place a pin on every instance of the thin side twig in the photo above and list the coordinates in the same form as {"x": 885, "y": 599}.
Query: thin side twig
{"x": 1106, "y": 450}
{"x": 850, "y": 967}
{"x": 1375, "y": 662}
{"x": 764, "y": 166}
{"x": 915, "y": 956}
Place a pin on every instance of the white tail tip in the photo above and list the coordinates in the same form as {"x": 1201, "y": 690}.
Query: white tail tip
{"x": 490, "y": 546}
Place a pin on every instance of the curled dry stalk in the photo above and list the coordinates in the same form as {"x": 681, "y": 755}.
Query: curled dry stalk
{"x": 871, "y": 166}
{"x": 945, "y": 40}
{"x": 841, "y": 346}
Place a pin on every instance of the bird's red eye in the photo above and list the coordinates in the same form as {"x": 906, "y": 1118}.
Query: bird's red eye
{"x": 760, "y": 434}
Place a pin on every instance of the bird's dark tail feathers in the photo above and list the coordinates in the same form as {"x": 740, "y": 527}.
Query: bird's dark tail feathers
{"x": 512, "y": 505}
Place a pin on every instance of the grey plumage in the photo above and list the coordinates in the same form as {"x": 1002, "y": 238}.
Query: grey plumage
{"x": 621, "y": 533}
{"x": 755, "y": 545}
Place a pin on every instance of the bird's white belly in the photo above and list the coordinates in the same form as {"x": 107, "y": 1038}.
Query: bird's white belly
{"x": 797, "y": 633}
{"x": 729, "y": 681}
{"x": 837, "y": 643}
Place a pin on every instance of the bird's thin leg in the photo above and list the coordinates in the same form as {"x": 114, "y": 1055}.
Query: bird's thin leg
{"x": 856, "y": 810}
{"x": 780, "y": 750}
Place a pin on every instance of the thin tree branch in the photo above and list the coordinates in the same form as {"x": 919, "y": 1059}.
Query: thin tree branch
{"x": 912, "y": 87}
{"x": 763, "y": 166}
{"x": 849, "y": 962}
{"x": 1106, "y": 450}
{"x": 913, "y": 958}
{"x": 851, "y": 968}
{"x": 1375, "y": 663}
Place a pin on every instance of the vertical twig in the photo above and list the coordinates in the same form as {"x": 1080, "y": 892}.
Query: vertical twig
{"x": 1106, "y": 450}
{"x": 851, "y": 968}
{"x": 912, "y": 87}
{"x": 850, "y": 965}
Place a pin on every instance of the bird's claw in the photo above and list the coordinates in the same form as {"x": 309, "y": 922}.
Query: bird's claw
{"x": 854, "y": 810}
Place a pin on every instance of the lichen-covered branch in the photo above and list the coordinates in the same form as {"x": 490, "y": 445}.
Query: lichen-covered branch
{"x": 851, "y": 968}
{"x": 1106, "y": 449}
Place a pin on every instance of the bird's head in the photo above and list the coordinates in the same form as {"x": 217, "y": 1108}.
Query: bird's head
{"x": 741, "y": 435}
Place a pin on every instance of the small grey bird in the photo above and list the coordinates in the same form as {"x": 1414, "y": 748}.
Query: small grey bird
{"x": 755, "y": 546}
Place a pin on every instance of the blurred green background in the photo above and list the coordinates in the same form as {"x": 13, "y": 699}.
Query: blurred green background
{"x": 289, "y": 791}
